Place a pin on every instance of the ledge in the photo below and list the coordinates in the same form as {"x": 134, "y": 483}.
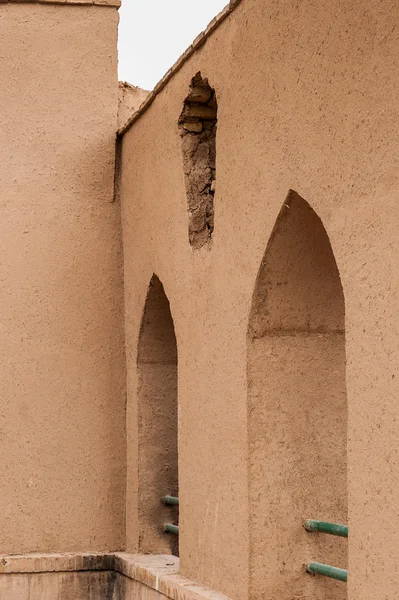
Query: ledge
{"x": 158, "y": 572}
{"x": 197, "y": 43}
{"x": 111, "y": 3}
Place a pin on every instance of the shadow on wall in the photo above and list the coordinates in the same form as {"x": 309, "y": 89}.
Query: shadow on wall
{"x": 197, "y": 126}
{"x": 297, "y": 410}
{"x": 157, "y": 422}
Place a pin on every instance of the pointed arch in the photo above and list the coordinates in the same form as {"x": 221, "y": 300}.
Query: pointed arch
{"x": 297, "y": 409}
{"x": 157, "y": 422}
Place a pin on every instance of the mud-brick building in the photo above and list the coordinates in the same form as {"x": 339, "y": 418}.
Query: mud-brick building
{"x": 199, "y": 300}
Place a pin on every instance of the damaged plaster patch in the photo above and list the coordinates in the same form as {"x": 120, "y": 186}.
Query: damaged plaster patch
{"x": 197, "y": 126}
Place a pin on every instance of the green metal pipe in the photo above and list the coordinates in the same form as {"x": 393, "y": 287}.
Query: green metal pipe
{"x": 327, "y": 571}
{"x": 169, "y": 528}
{"x": 325, "y": 527}
{"x": 170, "y": 500}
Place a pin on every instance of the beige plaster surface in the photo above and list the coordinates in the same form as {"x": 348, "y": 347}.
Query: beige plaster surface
{"x": 130, "y": 97}
{"x": 307, "y": 100}
{"x": 111, "y": 3}
{"x": 62, "y": 445}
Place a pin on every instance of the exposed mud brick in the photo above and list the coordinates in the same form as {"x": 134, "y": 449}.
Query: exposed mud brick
{"x": 203, "y": 111}
{"x": 193, "y": 127}
{"x": 199, "y": 94}
{"x": 198, "y": 123}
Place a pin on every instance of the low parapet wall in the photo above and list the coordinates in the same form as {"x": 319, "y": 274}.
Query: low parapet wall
{"x": 97, "y": 576}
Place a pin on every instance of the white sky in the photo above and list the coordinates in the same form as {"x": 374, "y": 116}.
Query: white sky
{"x": 154, "y": 33}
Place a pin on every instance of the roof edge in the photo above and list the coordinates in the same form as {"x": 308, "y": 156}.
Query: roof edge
{"x": 110, "y": 3}
{"x": 197, "y": 43}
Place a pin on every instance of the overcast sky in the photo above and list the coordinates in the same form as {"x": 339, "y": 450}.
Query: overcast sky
{"x": 154, "y": 33}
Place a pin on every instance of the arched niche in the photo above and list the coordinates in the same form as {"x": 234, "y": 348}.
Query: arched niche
{"x": 157, "y": 423}
{"x": 297, "y": 410}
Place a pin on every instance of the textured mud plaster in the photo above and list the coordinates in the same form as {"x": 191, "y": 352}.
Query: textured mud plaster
{"x": 110, "y": 3}
{"x": 157, "y": 423}
{"x": 197, "y": 124}
{"x": 301, "y": 108}
{"x": 297, "y": 408}
{"x": 62, "y": 419}
{"x": 130, "y": 97}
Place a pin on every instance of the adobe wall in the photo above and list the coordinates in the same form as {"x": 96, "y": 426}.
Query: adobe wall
{"x": 307, "y": 100}
{"x": 129, "y": 99}
{"x": 62, "y": 447}
{"x": 85, "y": 585}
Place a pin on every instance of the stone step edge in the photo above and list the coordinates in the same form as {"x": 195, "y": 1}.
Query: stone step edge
{"x": 111, "y": 3}
{"x": 159, "y": 572}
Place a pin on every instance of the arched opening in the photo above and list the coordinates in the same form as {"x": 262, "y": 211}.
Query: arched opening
{"x": 197, "y": 126}
{"x": 157, "y": 423}
{"x": 297, "y": 410}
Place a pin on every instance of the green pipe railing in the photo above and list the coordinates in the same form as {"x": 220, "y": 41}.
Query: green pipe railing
{"x": 169, "y": 528}
{"x": 327, "y": 571}
{"x": 325, "y": 527}
{"x": 331, "y": 529}
{"x": 170, "y": 500}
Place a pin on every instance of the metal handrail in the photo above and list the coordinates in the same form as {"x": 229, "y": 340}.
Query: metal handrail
{"x": 326, "y": 527}
{"x": 170, "y": 500}
{"x": 327, "y": 571}
{"x": 331, "y": 529}
{"x": 169, "y": 528}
